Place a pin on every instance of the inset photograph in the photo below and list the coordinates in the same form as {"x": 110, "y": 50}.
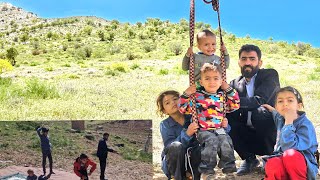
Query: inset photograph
{"x": 61, "y": 150}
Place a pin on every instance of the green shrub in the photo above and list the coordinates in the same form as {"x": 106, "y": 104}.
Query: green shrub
{"x": 64, "y": 47}
{"x": 87, "y": 51}
{"x": 313, "y": 53}
{"x": 49, "y": 69}
{"x": 273, "y": 49}
{"x": 317, "y": 69}
{"x": 301, "y": 48}
{"x": 73, "y": 76}
{"x": 5, "y": 82}
{"x": 130, "y": 55}
{"x": 36, "y": 52}
{"x": 269, "y": 66}
{"x": 149, "y": 46}
{"x": 163, "y": 72}
{"x": 40, "y": 89}
{"x": 176, "y": 48}
{"x": 116, "y": 68}
{"x": 135, "y": 66}
{"x": 114, "y": 49}
{"x": 11, "y": 55}
{"x": 69, "y": 37}
{"x": 292, "y": 61}
{"x": 77, "y": 46}
{"x": 314, "y": 77}
{"x": 27, "y": 125}
{"x": 66, "y": 65}
{"x": 33, "y": 63}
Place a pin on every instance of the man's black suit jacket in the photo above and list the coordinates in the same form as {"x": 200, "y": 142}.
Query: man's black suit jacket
{"x": 265, "y": 87}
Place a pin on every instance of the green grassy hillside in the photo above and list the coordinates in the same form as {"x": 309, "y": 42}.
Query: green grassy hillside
{"x": 91, "y": 68}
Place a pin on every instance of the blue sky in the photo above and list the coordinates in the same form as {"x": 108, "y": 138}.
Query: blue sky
{"x": 289, "y": 20}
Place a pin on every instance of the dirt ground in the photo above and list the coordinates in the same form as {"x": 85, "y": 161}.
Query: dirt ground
{"x": 118, "y": 168}
{"x": 257, "y": 174}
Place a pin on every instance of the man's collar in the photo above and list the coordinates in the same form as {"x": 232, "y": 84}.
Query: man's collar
{"x": 252, "y": 79}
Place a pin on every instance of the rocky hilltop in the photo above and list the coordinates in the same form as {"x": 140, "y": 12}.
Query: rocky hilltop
{"x": 14, "y": 17}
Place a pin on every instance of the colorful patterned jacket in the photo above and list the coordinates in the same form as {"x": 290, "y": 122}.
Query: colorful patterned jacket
{"x": 210, "y": 106}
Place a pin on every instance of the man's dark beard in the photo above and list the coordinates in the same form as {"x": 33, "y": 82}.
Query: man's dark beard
{"x": 249, "y": 74}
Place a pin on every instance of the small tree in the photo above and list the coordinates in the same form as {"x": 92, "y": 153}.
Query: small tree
{"x": 87, "y": 30}
{"x": 101, "y": 35}
{"x": 24, "y": 37}
{"x": 68, "y": 37}
{"x": 49, "y": 35}
{"x": 12, "y": 53}
{"x": 301, "y": 48}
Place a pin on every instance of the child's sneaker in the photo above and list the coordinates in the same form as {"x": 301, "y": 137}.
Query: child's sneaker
{"x": 229, "y": 170}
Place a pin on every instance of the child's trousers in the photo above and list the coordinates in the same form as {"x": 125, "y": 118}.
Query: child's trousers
{"x": 213, "y": 144}
{"x": 291, "y": 165}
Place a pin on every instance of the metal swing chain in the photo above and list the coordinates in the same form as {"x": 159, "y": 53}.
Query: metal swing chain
{"x": 216, "y": 7}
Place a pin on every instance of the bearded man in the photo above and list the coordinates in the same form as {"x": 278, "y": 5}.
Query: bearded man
{"x": 252, "y": 128}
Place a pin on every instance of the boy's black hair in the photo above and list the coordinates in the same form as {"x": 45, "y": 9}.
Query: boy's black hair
{"x": 293, "y": 90}
{"x": 45, "y": 129}
{"x": 249, "y": 48}
{"x": 105, "y": 134}
{"x": 207, "y": 32}
{"x": 83, "y": 156}
{"x": 30, "y": 171}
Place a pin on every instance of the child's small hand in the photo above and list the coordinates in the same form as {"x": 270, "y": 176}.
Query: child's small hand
{"x": 189, "y": 52}
{"x": 224, "y": 49}
{"x": 224, "y": 123}
{"x": 268, "y": 107}
{"x": 191, "y": 90}
{"x": 224, "y": 85}
{"x": 89, "y": 174}
{"x": 192, "y": 128}
{"x": 290, "y": 115}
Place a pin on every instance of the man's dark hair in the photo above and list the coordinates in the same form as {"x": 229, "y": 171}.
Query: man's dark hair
{"x": 249, "y": 48}
{"x": 83, "y": 156}
{"x": 105, "y": 134}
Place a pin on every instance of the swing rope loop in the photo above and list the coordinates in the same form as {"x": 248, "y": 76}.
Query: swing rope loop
{"x": 215, "y": 6}
{"x": 191, "y": 66}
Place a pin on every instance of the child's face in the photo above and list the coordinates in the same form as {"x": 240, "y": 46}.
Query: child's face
{"x": 207, "y": 45}
{"x": 287, "y": 101}
{"x": 83, "y": 161}
{"x": 31, "y": 173}
{"x": 211, "y": 81}
{"x": 45, "y": 133}
{"x": 170, "y": 104}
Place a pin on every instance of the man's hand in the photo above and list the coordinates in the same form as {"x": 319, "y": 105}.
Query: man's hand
{"x": 224, "y": 123}
{"x": 268, "y": 107}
